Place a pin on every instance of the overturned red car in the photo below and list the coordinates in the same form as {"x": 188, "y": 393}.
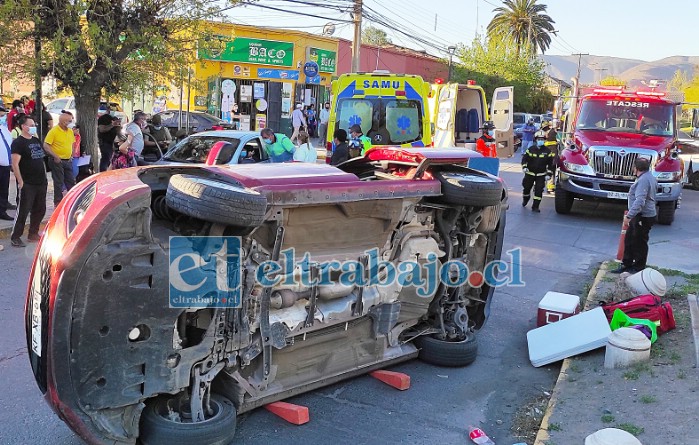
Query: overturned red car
{"x": 128, "y": 349}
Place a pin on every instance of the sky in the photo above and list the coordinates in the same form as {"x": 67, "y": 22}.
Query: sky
{"x": 635, "y": 29}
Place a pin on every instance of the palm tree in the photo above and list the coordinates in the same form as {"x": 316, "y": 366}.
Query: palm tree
{"x": 525, "y": 23}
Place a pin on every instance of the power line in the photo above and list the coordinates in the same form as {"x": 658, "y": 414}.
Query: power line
{"x": 295, "y": 12}
{"x": 407, "y": 22}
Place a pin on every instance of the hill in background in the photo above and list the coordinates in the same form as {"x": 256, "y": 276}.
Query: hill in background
{"x": 633, "y": 71}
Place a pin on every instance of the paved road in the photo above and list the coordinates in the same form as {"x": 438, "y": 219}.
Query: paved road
{"x": 559, "y": 254}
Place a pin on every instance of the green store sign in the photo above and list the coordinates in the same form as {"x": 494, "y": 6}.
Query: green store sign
{"x": 326, "y": 60}
{"x": 262, "y": 52}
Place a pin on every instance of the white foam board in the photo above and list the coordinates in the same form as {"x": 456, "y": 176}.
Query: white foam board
{"x": 568, "y": 337}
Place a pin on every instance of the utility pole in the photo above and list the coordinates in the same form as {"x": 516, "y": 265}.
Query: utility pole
{"x": 600, "y": 71}
{"x": 577, "y": 76}
{"x": 576, "y": 82}
{"x": 38, "y": 99}
{"x": 357, "y": 42}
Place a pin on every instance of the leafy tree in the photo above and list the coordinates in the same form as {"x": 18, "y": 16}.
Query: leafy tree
{"x": 375, "y": 36}
{"x": 110, "y": 47}
{"x": 680, "y": 81}
{"x": 525, "y": 22}
{"x": 496, "y": 62}
{"x": 611, "y": 81}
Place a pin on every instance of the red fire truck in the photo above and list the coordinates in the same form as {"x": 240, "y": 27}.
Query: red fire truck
{"x": 612, "y": 128}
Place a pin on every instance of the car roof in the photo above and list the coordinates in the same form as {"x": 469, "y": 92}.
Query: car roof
{"x": 238, "y": 134}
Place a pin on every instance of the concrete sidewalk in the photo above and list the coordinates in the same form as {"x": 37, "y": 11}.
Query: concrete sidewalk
{"x": 6, "y": 226}
{"x": 653, "y": 400}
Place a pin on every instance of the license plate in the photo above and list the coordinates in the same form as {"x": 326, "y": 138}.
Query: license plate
{"x": 617, "y": 195}
{"x": 36, "y": 313}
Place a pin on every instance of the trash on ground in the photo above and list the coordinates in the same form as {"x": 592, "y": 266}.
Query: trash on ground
{"x": 571, "y": 336}
{"x": 478, "y": 436}
{"x": 626, "y": 346}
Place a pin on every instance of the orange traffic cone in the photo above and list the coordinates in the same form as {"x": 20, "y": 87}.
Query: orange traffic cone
{"x": 622, "y": 238}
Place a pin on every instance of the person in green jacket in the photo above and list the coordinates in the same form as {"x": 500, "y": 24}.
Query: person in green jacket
{"x": 358, "y": 141}
{"x": 278, "y": 146}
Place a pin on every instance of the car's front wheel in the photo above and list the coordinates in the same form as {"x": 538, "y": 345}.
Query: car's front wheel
{"x": 164, "y": 422}
{"x": 694, "y": 179}
{"x": 447, "y": 353}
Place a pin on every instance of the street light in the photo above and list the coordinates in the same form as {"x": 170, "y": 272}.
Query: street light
{"x": 451, "y": 49}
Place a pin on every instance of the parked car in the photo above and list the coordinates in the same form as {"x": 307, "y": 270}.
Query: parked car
{"x": 125, "y": 352}
{"x": 195, "y": 148}
{"x": 689, "y": 153}
{"x": 68, "y": 104}
{"x": 198, "y": 121}
{"x": 519, "y": 120}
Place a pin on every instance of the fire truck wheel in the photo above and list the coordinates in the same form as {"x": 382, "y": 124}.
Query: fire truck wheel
{"x": 564, "y": 201}
{"x": 666, "y": 212}
{"x": 216, "y": 201}
{"x": 469, "y": 188}
{"x": 447, "y": 353}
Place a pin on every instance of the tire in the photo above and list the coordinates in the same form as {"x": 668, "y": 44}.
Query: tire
{"x": 563, "y": 200}
{"x": 694, "y": 179}
{"x": 156, "y": 429}
{"x": 216, "y": 201}
{"x": 666, "y": 212}
{"x": 445, "y": 353}
{"x": 469, "y": 188}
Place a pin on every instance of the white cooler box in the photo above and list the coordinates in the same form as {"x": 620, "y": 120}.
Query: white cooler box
{"x": 556, "y": 306}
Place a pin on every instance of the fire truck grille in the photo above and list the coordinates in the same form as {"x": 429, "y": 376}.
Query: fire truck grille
{"x": 615, "y": 162}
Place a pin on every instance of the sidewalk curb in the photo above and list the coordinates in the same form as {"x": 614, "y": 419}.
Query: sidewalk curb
{"x": 543, "y": 435}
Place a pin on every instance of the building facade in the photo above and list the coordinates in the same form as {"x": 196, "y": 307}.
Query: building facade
{"x": 391, "y": 58}
{"x": 264, "y": 71}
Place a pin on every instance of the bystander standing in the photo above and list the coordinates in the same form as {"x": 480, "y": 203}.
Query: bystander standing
{"x": 59, "y": 145}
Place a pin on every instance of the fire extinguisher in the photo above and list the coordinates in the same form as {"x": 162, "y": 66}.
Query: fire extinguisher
{"x": 622, "y": 237}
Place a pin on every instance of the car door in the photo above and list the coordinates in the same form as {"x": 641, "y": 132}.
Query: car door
{"x": 502, "y": 107}
{"x": 446, "y": 107}
{"x": 255, "y": 146}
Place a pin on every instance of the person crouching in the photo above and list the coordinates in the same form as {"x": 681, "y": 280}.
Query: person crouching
{"x": 537, "y": 163}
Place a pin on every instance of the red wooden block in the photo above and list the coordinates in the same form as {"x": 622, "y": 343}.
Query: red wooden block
{"x": 397, "y": 380}
{"x": 296, "y": 414}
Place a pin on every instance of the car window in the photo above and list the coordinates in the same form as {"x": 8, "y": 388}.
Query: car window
{"x": 253, "y": 152}
{"x": 195, "y": 149}
{"x": 207, "y": 118}
{"x": 518, "y": 118}
{"x": 57, "y": 105}
{"x": 71, "y": 104}
{"x": 169, "y": 118}
{"x": 536, "y": 118}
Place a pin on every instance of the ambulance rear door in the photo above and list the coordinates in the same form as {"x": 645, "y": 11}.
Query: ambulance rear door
{"x": 446, "y": 109}
{"x": 502, "y": 111}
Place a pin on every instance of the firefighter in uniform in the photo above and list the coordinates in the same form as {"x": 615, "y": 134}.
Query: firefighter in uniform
{"x": 485, "y": 144}
{"x": 537, "y": 164}
{"x": 552, "y": 144}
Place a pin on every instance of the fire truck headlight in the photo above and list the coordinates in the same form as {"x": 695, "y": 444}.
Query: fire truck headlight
{"x": 583, "y": 169}
{"x": 667, "y": 176}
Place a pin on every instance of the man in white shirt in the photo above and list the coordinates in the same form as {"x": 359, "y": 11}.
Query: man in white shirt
{"x": 5, "y": 166}
{"x": 324, "y": 119}
{"x": 297, "y": 120}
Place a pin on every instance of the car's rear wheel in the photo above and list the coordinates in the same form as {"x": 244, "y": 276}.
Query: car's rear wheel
{"x": 216, "y": 201}
{"x": 666, "y": 212}
{"x": 469, "y": 188}
{"x": 447, "y": 353}
{"x": 563, "y": 200}
{"x": 694, "y": 179}
{"x": 163, "y": 424}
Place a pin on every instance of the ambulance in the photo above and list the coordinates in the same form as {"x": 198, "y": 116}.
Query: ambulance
{"x": 459, "y": 110}
{"x": 390, "y": 108}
